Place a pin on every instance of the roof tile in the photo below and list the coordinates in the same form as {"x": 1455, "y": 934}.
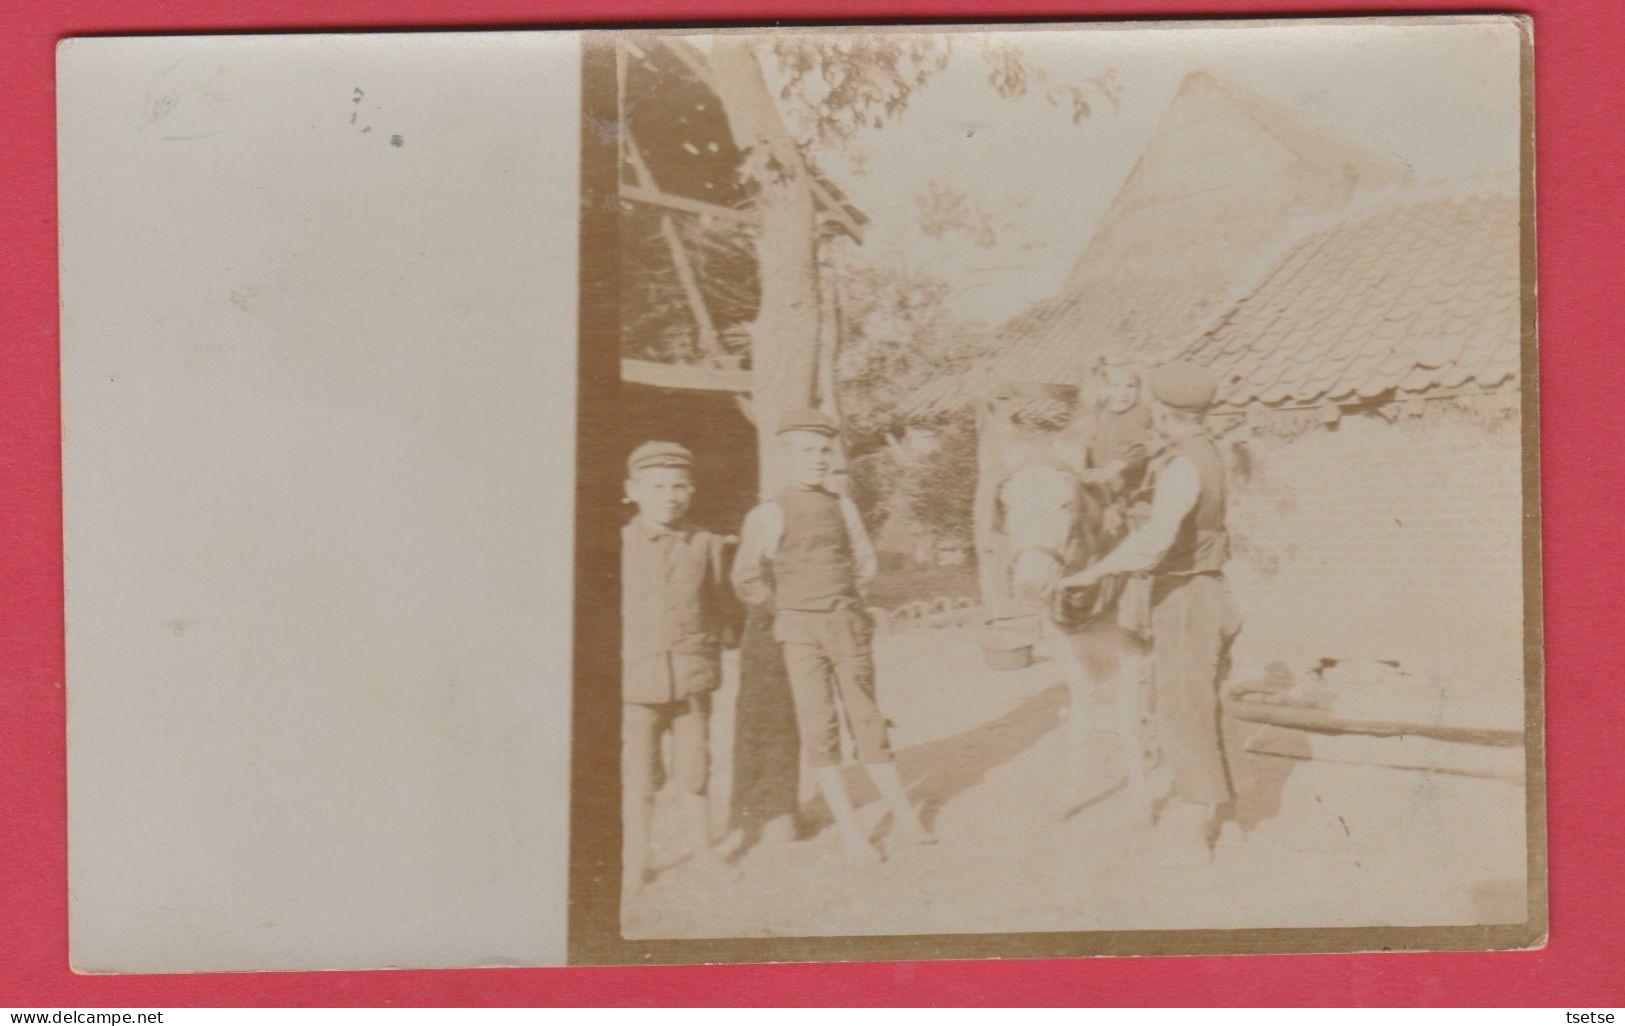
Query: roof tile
{"x": 1416, "y": 298}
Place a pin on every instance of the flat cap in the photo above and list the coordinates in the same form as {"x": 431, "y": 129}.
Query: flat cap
{"x": 1184, "y": 386}
{"x": 659, "y": 454}
{"x": 804, "y": 418}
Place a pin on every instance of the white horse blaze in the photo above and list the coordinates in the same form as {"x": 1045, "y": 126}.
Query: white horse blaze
{"x": 1032, "y": 575}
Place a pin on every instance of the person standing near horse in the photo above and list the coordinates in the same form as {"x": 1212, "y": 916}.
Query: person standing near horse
{"x": 1194, "y": 620}
{"x": 1113, "y": 446}
{"x": 806, "y": 553}
{"x": 672, "y": 598}
{"x": 1113, "y": 451}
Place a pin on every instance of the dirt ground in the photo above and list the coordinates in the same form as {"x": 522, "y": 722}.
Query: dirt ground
{"x": 982, "y": 752}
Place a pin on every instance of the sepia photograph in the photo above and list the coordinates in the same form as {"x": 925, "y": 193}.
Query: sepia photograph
{"x": 835, "y": 493}
{"x": 781, "y": 507}
{"x": 1071, "y": 486}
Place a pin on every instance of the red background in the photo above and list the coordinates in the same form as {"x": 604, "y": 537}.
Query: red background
{"x": 1580, "y": 86}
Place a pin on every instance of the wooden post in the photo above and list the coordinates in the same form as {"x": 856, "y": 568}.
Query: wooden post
{"x": 995, "y": 427}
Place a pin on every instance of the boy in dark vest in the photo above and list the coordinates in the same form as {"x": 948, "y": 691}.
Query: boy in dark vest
{"x": 672, "y": 593}
{"x": 1193, "y": 618}
{"x": 805, "y": 553}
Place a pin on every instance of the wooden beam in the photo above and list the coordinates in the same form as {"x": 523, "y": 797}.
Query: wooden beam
{"x": 995, "y": 430}
{"x": 833, "y": 210}
{"x": 704, "y": 328}
{"x": 694, "y": 61}
{"x": 655, "y": 197}
{"x": 685, "y": 377}
{"x": 1007, "y": 389}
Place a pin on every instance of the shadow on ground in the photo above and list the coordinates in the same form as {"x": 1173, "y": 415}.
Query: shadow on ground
{"x": 935, "y": 772}
{"x": 1259, "y": 780}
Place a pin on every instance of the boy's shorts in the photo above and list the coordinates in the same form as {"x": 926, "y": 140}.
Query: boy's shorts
{"x": 825, "y": 654}
{"x": 641, "y": 728}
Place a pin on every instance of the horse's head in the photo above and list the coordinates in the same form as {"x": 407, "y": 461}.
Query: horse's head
{"x": 1044, "y": 509}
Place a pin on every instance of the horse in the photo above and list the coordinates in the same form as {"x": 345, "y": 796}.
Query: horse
{"x": 1055, "y": 523}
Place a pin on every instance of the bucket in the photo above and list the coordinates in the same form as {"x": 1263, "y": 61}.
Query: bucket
{"x": 1007, "y": 645}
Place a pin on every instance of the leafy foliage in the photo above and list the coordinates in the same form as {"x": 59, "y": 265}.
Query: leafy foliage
{"x": 1014, "y": 76}
{"x": 872, "y": 483}
{"x": 836, "y": 85}
{"x": 932, "y": 489}
{"x": 938, "y": 489}
{"x": 945, "y": 210}
{"x": 900, "y": 332}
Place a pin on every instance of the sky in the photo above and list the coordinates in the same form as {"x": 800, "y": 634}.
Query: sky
{"x": 1443, "y": 98}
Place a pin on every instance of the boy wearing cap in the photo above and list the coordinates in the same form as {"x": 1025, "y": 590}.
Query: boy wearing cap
{"x": 805, "y": 554}
{"x": 672, "y": 594}
{"x": 1193, "y": 618}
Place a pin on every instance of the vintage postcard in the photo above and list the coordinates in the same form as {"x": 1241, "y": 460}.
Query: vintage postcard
{"x": 1078, "y": 492}
{"x": 750, "y": 494}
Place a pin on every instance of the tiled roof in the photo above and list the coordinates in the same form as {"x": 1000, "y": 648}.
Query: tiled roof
{"x": 1050, "y": 341}
{"x": 1419, "y": 298}
{"x": 1225, "y": 177}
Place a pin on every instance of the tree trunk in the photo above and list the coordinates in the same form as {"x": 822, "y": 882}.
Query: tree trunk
{"x": 784, "y": 337}
{"x": 829, "y": 341}
{"x": 829, "y": 347}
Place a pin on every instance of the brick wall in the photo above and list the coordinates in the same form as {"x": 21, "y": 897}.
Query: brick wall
{"x": 1375, "y": 539}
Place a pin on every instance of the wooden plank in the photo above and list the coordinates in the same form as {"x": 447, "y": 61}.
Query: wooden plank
{"x": 685, "y": 376}
{"x": 1404, "y": 752}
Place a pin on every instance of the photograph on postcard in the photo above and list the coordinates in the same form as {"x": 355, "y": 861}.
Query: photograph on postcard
{"x": 1057, "y": 489}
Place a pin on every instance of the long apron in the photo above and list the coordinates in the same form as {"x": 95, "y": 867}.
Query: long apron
{"x": 767, "y": 748}
{"x": 1193, "y": 623}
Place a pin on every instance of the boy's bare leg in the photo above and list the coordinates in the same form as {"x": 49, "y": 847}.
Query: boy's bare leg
{"x": 636, "y": 811}
{"x": 639, "y": 745}
{"x": 833, "y": 788}
{"x": 1186, "y": 833}
{"x": 779, "y": 831}
{"x": 906, "y": 825}
{"x": 697, "y": 817}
